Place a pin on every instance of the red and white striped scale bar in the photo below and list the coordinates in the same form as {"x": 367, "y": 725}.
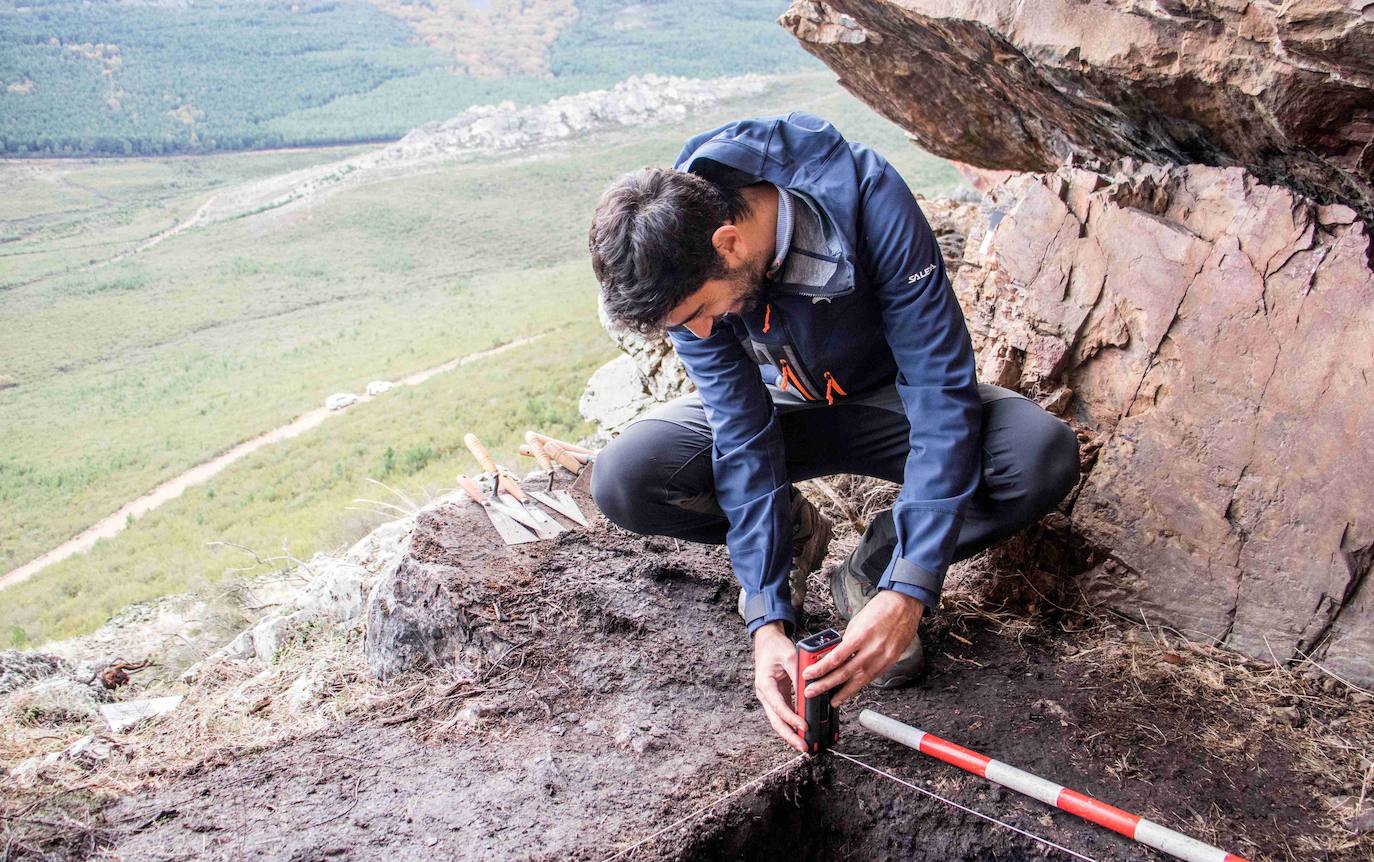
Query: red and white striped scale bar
{"x": 1132, "y": 826}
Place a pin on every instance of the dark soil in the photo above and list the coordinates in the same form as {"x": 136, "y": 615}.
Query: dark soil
{"x": 628, "y": 704}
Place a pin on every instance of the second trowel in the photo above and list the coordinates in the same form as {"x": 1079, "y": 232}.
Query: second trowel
{"x": 508, "y": 491}
{"x": 560, "y": 501}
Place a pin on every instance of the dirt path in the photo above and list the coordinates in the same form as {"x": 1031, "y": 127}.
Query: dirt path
{"x": 113, "y": 524}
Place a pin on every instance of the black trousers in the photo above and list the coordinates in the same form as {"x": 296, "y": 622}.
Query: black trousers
{"x": 656, "y": 479}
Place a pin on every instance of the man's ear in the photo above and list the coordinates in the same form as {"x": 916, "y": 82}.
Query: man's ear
{"x": 729, "y": 244}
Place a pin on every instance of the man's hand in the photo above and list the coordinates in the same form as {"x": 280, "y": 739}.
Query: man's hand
{"x": 775, "y": 669}
{"x": 874, "y": 639}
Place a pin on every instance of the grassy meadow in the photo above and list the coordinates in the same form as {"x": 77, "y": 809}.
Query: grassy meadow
{"x": 120, "y": 377}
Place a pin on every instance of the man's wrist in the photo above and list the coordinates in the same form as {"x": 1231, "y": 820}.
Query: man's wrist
{"x": 908, "y": 603}
{"x": 910, "y": 600}
{"x": 776, "y": 628}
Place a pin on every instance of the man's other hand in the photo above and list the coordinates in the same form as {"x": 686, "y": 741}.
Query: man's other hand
{"x": 874, "y": 639}
{"x": 775, "y": 670}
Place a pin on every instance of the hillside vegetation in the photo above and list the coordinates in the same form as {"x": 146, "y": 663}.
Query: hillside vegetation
{"x": 111, "y": 77}
{"x": 128, "y": 374}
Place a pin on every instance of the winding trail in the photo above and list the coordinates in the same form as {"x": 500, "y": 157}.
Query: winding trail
{"x": 113, "y": 524}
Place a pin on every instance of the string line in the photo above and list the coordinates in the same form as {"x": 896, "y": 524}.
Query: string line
{"x": 707, "y": 807}
{"x": 952, "y": 803}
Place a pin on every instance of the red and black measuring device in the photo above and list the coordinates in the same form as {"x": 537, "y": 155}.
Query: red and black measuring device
{"x": 822, "y": 720}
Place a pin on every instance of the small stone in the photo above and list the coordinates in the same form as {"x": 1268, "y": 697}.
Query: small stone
{"x": 558, "y": 730}
{"x": 591, "y": 728}
{"x": 1289, "y": 715}
{"x": 470, "y": 714}
{"x": 122, "y": 716}
{"x": 89, "y": 751}
{"x": 1362, "y": 822}
{"x": 35, "y": 765}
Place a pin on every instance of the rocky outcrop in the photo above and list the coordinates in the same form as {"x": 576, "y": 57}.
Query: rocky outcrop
{"x": 1214, "y": 338}
{"x": 334, "y": 594}
{"x": 639, "y": 101}
{"x": 1285, "y": 90}
{"x": 623, "y": 389}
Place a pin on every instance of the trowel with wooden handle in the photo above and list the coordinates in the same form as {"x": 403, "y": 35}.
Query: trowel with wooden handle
{"x": 511, "y": 532}
{"x": 569, "y": 456}
{"x": 509, "y": 492}
{"x": 559, "y": 501}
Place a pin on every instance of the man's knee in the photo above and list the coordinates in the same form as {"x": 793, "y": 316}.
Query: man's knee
{"x": 629, "y": 477}
{"x": 1036, "y": 458}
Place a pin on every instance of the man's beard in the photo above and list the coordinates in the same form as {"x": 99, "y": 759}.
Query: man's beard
{"x": 746, "y": 283}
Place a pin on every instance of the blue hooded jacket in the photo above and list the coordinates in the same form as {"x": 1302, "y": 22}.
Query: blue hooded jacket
{"x": 883, "y": 311}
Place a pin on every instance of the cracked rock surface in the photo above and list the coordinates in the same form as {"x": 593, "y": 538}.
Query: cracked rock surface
{"x": 1216, "y": 336}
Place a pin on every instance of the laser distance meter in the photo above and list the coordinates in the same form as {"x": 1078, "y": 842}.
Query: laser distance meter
{"x": 822, "y": 720}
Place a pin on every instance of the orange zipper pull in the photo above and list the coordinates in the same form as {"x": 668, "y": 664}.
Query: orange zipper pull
{"x": 767, "y": 313}
{"x": 831, "y": 387}
{"x": 782, "y": 384}
{"x": 789, "y": 374}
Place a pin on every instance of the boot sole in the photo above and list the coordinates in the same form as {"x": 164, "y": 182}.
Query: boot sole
{"x": 904, "y": 680}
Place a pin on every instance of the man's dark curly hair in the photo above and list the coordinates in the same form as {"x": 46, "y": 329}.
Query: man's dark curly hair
{"x": 651, "y": 242}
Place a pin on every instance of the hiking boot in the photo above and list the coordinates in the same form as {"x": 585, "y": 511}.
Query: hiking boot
{"x": 811, "y": 532}
{"x": 851, "y": 592}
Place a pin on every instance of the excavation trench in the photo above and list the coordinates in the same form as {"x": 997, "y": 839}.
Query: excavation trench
{"x": 834, "y": 810}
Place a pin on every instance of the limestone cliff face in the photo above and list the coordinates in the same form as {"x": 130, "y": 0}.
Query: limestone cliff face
{"x": 1186, "y": 277}
{"x": 1284, "y": 90}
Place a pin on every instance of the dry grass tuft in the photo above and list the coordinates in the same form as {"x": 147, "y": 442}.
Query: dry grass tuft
{"x": 1244, "y": 710}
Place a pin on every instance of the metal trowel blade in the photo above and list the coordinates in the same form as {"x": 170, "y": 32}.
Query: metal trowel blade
{"x": 543, "y": 526}
{"x": 562, "y": 503}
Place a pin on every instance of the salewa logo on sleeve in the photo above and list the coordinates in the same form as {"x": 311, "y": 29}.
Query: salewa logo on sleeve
{"x": 920, "y": 275}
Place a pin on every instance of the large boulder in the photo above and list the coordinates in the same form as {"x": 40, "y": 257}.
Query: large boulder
{"x": 622, "y": 390}
{"x": 1216, "y": 336}
{"x": 335, "y": 594}
{"x": 1285, "y": 90}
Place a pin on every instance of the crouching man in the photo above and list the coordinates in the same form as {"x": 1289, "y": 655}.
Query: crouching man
{"x": 805, "y": 294}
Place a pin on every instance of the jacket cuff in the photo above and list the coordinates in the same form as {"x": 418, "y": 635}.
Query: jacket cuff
{"x": 924, "y": 596}
{"x": 760, "y": 610}
{"x": 912, "y": 580}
